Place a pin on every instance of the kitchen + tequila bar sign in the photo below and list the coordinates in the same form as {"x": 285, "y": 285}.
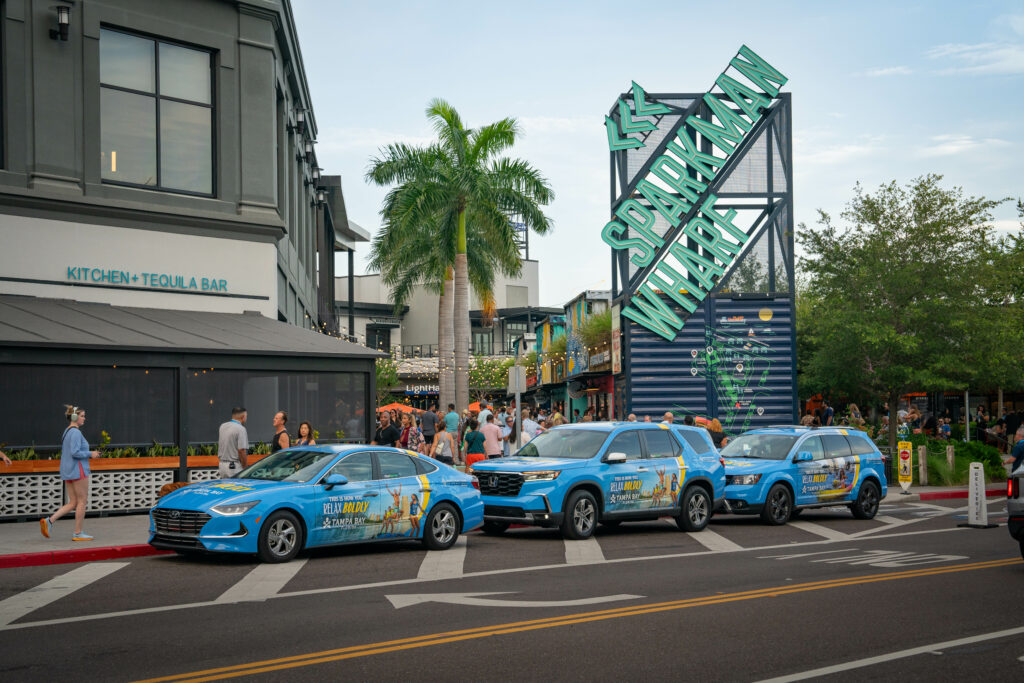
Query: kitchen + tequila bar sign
{"x": 145, "y": 280}
{"x": 676, "y": 186}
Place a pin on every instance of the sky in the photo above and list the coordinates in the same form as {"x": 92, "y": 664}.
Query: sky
{"x": 882, "y": 91}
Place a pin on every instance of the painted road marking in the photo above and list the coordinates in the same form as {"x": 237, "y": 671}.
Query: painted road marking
{"x": 352, "y": 652}
{"x": 890, "y": 558}
{"x": 587, "y": 551}
{"x": 819, "y": 530}
{"x": 19, "y": 605}
{"x": 884, "y": 519}
{"x": 902, "y": 654}
{"x": 474, "y": 599}
{"x": 402, "y": 582}
{"x": 791, "y": 557}
{"x": 714, "y": 542}
{"x": 444, "y": 564}
{"x": 265, "y": 581}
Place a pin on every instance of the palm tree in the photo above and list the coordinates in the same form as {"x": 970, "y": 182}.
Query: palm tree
{"x": 462, "y": 187}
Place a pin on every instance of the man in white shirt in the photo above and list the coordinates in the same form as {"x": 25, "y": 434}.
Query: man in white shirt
{"x": 484, "y": 412}
{"x": 529, "y": 426}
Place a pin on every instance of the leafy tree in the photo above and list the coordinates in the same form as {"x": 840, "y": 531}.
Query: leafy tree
{"x": 387, "y": 378}
{"x": 460, "y": 186}
{"x": 487, "y": 374}
{"x": 893, "y": 292}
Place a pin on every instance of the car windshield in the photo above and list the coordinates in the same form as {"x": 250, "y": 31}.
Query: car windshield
{"x": 288, "y": 465}
{"x": 564, "y": 443}
{"x": 764, "y": 446}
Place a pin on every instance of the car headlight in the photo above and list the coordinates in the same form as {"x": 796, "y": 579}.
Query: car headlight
{"x": 542, "y": 475}
{"x": 235, "y": 508}
{"x": 744, "y": 479}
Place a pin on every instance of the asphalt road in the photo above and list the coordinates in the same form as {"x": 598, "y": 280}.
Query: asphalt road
{"x": 907, "y": 596}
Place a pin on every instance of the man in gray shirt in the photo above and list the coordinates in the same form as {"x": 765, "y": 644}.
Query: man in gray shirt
{"x": 232, "y": 444}
{"x": 428, "y": 423}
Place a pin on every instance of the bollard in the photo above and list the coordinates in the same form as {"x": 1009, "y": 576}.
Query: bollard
{"x": 949, "y": 456}
{"x": 977, "y": 510}
{"x": 922, "y": 465}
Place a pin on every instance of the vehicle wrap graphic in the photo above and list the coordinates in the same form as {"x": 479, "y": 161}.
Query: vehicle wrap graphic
{"x": 834, "y": 480}
{"x": 651, "y": 486}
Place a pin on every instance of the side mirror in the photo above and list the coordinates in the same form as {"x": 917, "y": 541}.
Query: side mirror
{"x": 333, "y": 480}
{"x": 803, "y": 456}
{"x": 615, "y": 458}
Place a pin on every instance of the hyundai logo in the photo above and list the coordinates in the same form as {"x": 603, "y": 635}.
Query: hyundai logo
{"x": 493, "y": 481}
{"x": 175, "y": 514}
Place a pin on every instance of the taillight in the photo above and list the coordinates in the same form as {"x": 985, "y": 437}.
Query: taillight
{"x": 1013, "y": 487}
{"x": 476, "y": 483}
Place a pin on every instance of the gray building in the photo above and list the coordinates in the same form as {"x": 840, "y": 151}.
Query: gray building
{"x": 160, "y": 154}
{"x": 165, "y": 234}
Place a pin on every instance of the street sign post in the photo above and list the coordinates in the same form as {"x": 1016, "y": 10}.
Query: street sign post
{"x": 517, "y": 385}
{"x": 905, "y": 463}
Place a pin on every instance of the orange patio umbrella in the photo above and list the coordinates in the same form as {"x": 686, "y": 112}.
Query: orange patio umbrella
{"x": 395, "y": 406}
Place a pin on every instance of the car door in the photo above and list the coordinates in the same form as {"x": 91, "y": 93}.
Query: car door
{"x": 665, "y": 457}
{"x": 623, "y": 484}
{"x": 811, "y": 475}
{"x": 841, "y": 466}
{"x": 349, "y": 512}
{"x": 405, "y": 493}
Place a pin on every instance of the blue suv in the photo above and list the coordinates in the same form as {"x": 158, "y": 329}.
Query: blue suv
{"x": 778, "y": 471}
{"x": 574, "y": 476}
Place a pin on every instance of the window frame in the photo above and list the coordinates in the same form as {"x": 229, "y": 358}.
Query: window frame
{"x": 157, "y": 97}
{"x": 380, "y": 465}
{"x": 821, "y": 443}
{"x": 639, "y": 440}
{"x": 838, "y": 439}
{"x": 676, "y": 448}
{"x": 373, "y": 467}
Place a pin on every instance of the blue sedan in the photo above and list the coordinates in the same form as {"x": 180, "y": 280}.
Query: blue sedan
{"x": 306, "y": 497}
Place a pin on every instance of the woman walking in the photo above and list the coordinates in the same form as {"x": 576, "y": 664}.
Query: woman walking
{"x": 74, "y": 472}
{"x": 412, "y": 437}
{"x": 443, "y": 448}
{"x": 473, "y": 444}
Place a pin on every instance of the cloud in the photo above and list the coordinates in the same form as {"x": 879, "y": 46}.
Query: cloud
{"x": 1016, "y": 23}
{"x": 541, "y": 125}
{"x": 889, "y": 71}
{"x": 368, "y": 139}
{"x": 949, "y": 145}
{"x": 980, "y": 59}
{"x": 815, "y": 151}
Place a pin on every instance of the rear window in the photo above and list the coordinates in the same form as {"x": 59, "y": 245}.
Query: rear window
{"x": 697, "y": 442}
{"x": 859, "y": 444}
{"x": 424, "y": 467}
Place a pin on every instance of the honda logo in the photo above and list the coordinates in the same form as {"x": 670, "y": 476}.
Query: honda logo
{"x": 493, "y": 481}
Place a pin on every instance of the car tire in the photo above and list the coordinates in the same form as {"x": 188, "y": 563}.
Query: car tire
{"x": 1022, "y": 549}
{"x": 580, "y": 516}
{"x": 495, "y": 528}
{"x": 778, "y": 506}
{"x": 611, "y": 523}
{"x": 868, "y": 498}
{"x": 441, "y": 528}
{"x": 280, "y": 538}
{"x": 696, "y": 510}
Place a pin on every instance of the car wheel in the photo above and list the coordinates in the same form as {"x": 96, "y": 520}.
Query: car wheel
{"x": 778, "y": 506}
{"x": 280, "y": 537}
{"x": 495, "y": 528}
{"x": 1022, "y": 548}
{"x": 441, "y": 529}
{"x": 611, "y": 523}
{"x": 866, "y": 505}
{"x": 580, "y": 516}
{"x": 696, "y": 510}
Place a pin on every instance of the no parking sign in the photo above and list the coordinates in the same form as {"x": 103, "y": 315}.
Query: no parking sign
{"x": 904, "y": 449}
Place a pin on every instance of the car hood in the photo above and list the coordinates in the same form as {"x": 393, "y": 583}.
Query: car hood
{"x": 752, "y": 465}
{"x": 207, "y": 494}
{"x": 518, "y": 464}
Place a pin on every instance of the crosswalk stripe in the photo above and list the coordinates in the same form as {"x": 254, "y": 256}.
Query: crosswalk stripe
{"x": 819, "y": 530}
{"x": 714, "y": 541}
{"x": 586, "y": 551}
{"x": 265, "y": 581}
{"x": 444, "y": 564}
{"x": 19, "y": 605}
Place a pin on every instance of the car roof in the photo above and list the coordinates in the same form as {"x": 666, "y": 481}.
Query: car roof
{"x": 612, "y": 426}
{"x": 798, "y": 430}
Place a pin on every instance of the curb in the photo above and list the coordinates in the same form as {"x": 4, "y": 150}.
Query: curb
{"x": 113, "y": 552}
{"x": 945, "y": 495}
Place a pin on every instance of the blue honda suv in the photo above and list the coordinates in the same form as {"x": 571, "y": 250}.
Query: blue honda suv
{"x": 778, "y": 471}
{"x": 576, "y": 476}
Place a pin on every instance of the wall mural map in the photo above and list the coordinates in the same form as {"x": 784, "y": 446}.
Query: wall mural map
{"x": 736, "y": 362}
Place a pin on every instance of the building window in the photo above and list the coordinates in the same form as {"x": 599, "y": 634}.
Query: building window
{"x": 156, "y": 114}
{"x": 513, "y": 330}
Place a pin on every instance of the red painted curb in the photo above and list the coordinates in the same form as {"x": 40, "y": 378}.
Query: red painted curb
{"x": 112, "y": 552}
{"x": 946, "y": 495}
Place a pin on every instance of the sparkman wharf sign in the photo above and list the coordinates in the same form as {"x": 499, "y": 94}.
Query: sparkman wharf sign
{"x": 676, "y": 186}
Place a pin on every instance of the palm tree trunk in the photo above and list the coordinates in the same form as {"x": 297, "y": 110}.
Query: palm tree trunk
{"x": 461, "y": 317}
{"x": 446, "y": 345}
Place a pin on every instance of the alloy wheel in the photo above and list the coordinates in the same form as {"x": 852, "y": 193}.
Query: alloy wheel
{"x": 443, "y": 526}
{"x": 281, "y": 537}
{"x": 583, "y": 516}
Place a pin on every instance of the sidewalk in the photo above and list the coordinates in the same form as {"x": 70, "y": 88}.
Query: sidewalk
{"x": 23, "y": 545}
{"x": 894, "y": 494}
